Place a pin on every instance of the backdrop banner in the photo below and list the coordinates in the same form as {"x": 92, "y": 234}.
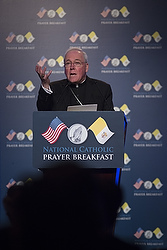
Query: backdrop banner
{"x": 126, "y": 43}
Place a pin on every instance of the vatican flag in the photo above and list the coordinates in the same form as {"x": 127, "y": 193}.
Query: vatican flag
{"x": 30, "y": 86}
{"x": 60, "y": 12}
{"x": 93, "y": 36}
{"x": 101, "y": 130}
{"x": 125, "y": 61}
{"x": 124, "y": 11}
{"x": 29, "y": 135}
{"x": 157, "y": 183}
{"x": 126, "y": 208}
{"x": 157, "y": 134}
{"x": 29, "y": 37}
{"x": 125, "y": 109}
{"x": 156, "y": 36}
{"x": 158, "y": 233}
{"x": 156, "y": 84}
{"x": 126, "y": 159}
{"x": 60, "y": 61}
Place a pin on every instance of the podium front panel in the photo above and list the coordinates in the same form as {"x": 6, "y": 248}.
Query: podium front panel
{"x": 91, "y": 139}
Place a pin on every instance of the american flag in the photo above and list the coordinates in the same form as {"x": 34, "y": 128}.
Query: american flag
{"x": 10, "y": 37}
{"x": 11, "y": 135}
{"x": 138, "y": 85}
{"x": 74, "y": 37}
{"x": 137, "y": 37}
{"x": 11, "y": 86}
{"x": 54, "y": 130}
{"x": 138, "y": 134}
{"x": 139, "y": 233}
{"x": 106, "y": 61}
{"x": 138, "y": 183}
{"x": 42, "y": 61}
{"x": 42, "y": 12}
{"x": 105, "y": 12}
{"x": 11, "y": 183}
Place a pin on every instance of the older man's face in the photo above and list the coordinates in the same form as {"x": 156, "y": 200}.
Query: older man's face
{"x": 75, "y": 66}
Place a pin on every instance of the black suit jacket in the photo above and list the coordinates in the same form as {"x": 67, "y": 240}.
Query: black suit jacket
{"x": 92, "y": 91}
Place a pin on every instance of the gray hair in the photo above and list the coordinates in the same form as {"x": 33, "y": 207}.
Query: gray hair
{"x": 78, "y": 49}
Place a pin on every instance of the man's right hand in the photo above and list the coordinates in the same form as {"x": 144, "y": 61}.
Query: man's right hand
{"x": 43, "y": 76}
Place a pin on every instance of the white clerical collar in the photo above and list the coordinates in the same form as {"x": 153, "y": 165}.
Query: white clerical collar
{"x": 77, "y": 85}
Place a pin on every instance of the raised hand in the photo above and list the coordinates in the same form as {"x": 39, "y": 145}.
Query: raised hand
{"x": 43, "y": 76}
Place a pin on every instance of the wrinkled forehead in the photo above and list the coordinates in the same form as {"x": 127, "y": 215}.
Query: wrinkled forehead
{"x": 74, "y": 55}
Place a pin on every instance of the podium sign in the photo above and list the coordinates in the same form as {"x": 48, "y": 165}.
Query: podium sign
{"x": 92, "y": 139}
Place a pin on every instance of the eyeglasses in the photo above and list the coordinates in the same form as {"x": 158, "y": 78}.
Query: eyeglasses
{"x": 76, "y": 64}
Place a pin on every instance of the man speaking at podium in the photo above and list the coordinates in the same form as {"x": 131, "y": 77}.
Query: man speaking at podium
{"x": 76, "y": 89}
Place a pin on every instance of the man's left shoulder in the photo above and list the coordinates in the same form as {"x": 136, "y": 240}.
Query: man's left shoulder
{"x": 96, "y": 81}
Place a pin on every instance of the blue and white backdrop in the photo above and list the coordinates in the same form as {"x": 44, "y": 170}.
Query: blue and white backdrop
{"x": 126, "y": 42}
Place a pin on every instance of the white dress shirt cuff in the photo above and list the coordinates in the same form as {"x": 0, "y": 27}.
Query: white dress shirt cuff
{"x": 48, "y": 91}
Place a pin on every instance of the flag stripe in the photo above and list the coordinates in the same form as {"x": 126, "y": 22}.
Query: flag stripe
{"x": 56, "y": 135}
{"x": 51, "y": 132}
{"x": 52, "y": 135}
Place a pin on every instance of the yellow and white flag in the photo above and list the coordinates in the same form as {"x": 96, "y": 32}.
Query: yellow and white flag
{"x": 101, "y": 130}
{"x": 156, "y": 84}
{"x": 126, "y": 159}
{"x": 157, "y": 183}
{"x": 125, "y": 61}
{"x": 60, "y": 12}
{"x": 29, "y": 37}
{"x": 124, "y": 11}
{"x": 156, "y": 36}
{"x": 126, "y": 208}
{"x": 158, "y": 233}
{"x": 93, "y": 36}
{"x": 28, "y": 180}
{"x": 157, "y": 134}
{"x": 29, "y": 135}
{"x": 60, "y": 61}
{"x": 125, "y": 109}
{"x": 30, "y": 86}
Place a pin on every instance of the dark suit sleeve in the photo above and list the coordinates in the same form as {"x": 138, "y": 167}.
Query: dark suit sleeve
{"x": 108, "y": 103}
{"x": 105, "y": 102}
{"x": 44, "y": 101}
